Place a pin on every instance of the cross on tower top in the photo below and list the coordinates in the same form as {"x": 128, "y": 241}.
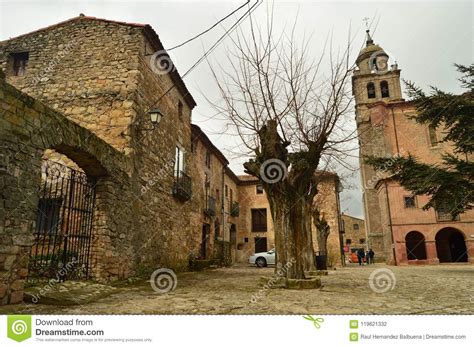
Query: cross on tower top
{"x": 366, "y": 20}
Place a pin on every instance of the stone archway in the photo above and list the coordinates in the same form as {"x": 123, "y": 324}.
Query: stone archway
{"x": 451, "y": 246}
{"x": 31, "y": 128}
{"x": 415, "y": 246}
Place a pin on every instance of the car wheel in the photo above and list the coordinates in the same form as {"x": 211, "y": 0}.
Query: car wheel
{"x": 261, "y": 262}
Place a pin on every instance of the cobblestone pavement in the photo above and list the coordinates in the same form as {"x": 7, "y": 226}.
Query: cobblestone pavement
{"x": 447, "y": 289}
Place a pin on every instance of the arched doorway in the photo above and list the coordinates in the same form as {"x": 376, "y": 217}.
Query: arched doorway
{"x": 450, "y": 246}
{"x": 415, "y": 243}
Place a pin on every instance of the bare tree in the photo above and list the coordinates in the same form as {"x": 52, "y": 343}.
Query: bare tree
{"x": 287, "y": 114}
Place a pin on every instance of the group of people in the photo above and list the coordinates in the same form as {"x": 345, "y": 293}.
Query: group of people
{"x": 368, "y": 255}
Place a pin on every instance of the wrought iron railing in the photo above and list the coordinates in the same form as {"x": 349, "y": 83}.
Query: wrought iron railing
{"x": 210, "y": 209}
{"x": 235, "y": 209}
{"x": 182, "y": 188}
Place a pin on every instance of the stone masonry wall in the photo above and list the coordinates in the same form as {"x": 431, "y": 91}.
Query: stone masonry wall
{"x": 87, "y": 69}
{"x": 27, "y": 129}
{"x": 165, "y": 236}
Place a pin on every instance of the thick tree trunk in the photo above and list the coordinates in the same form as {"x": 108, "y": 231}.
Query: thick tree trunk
{"x": 293, "y": 239}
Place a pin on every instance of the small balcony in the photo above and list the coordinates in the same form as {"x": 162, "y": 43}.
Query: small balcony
{"x": 210, "y": 208}
{"x": 235, "y": 209}
{"x": 182, "y": 186}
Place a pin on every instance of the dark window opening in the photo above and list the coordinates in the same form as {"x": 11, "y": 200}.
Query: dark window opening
{"x": 246, "y": 239}
{"x": 259, "y": 219}
{"x": 362, "y": 241}
{"x": 19, "y": 63}
{"x": 371, "y": 90}
{"x": 180, "y": 110}
{"x": 433, "y": 136}
{"x": 208, "y": 159}
{"x": 356, "y": 226}
{"x": 410, "y": 201}
{"x": 348, "y": 241}
{"x": 259, "y": 188}
{"x": 384, "y": 89}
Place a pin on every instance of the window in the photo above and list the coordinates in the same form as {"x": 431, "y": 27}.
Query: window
{"x": 208, "y": 159}
{"x": 443, "y": 213}
{"x": 355, "y": 226}
{"x": 433, "y": 136}
{"x": 348, "y": 241}
{"x": 180, "y": 110}
{"x": 362, "y": 241}
{"x": 410, "y": 201}
{"x": 179, "y": 160}
{"x": 246, "y": 239}
{"x": 231, "y": 196}
{"x": 259, "y": 219}
{"x": 218, "y": 195}
{"x": 370, "y": 90}
{"x": 19, "y": 63}
{"x": 384, "y": 89}
{"x": 259, "y": 188}
{"x": 194, "y": 145}
{"x": 226, "y": 191}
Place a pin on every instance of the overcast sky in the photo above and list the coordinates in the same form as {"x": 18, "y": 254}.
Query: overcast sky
{"x": 426, "y": 38}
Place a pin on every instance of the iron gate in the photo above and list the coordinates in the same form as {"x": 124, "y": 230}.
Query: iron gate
{"x": 63, "y": 225}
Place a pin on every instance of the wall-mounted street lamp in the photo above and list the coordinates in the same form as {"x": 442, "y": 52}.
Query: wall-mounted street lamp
{"x": 155, "y": 116}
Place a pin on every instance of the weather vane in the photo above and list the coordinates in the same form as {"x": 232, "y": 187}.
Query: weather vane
{"x": 366, "y": 20}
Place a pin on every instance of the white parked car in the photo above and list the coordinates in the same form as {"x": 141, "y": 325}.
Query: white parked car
{"x": 263, "y": 259}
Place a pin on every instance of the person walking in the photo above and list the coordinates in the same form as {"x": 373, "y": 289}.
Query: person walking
{"x": 371, "y": 256}
{"x": 360, "y": 256}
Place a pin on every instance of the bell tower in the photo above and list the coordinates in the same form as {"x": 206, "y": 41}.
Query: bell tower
{"x": 374, "y": 80}
{"x": 375, "y": 85}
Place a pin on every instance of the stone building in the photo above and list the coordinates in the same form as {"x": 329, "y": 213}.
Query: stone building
{"x": 214, "y": 203}
{"x": 396, "y": 224}
{"x": 255, "y": 226}
{"x": 354, "y": 236}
